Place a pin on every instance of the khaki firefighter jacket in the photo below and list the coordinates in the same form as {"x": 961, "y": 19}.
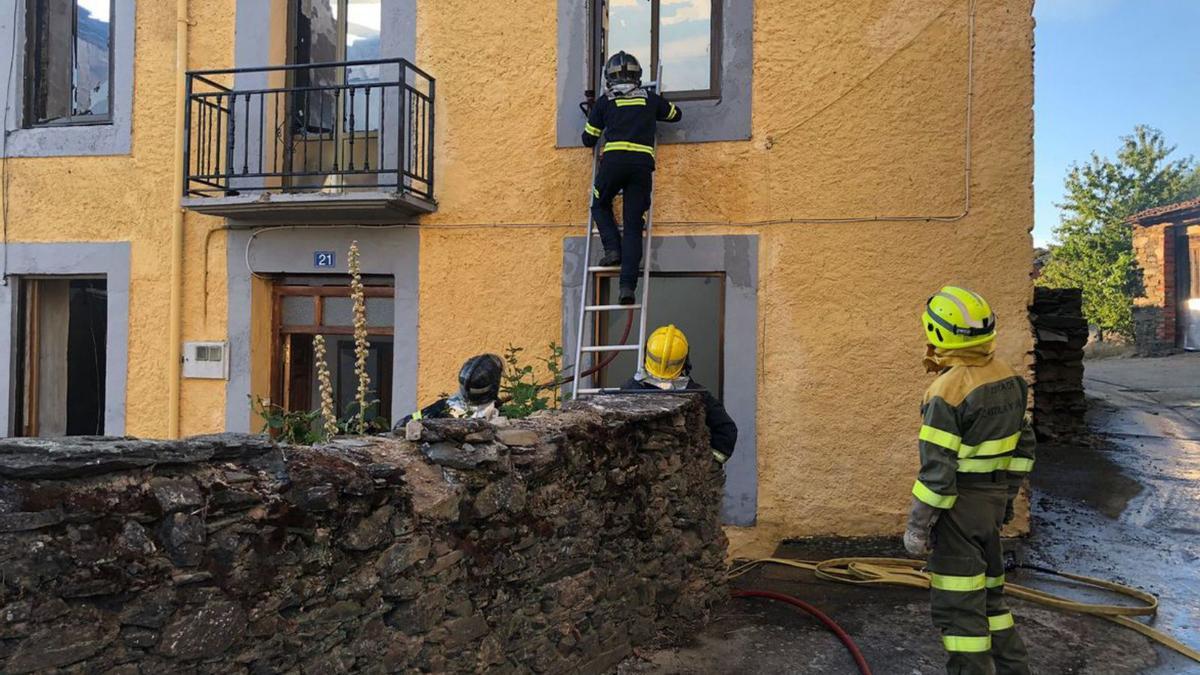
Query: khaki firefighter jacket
{"x": 974, "y": 425}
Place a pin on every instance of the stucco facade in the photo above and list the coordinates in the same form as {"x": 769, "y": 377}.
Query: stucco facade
{"x": 890, "y": 153}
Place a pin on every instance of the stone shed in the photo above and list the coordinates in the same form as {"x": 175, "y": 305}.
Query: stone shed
{"x": 1166, "y": 241}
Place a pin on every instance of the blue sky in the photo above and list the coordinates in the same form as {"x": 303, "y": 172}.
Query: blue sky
{"x": 1102, "y": 67}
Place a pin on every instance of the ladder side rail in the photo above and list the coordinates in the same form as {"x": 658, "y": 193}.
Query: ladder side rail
{"x": 587, "y": 275}
{"x": 646, "y": 251}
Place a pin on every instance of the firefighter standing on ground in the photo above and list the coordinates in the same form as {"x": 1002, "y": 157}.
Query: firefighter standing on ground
{"x": 628, "y": 116}
{"x": 668, "y": 368}
{"x": 976, "y": 450}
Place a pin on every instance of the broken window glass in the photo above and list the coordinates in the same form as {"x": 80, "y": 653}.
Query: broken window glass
{"x": 69, "y": 61}
{"x": 335, "y": 31}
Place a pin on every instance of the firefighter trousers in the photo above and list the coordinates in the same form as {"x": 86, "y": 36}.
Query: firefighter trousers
{"x": 636, "y": 180}
{"x": 967, "y": 582}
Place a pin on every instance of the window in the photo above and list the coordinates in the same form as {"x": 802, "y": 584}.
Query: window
{"x": 68, "y": 75}
{"x": 304, "y": 308}
{"x": 332, "y": 31}
{"x": 683, "y": 36}
{"x": 61, "y": 356}
{"x": 336, "y": 111}
{"x": 692, "y": 301}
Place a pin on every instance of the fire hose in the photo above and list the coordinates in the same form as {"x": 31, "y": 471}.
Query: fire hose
{"x": 906, "y": 572}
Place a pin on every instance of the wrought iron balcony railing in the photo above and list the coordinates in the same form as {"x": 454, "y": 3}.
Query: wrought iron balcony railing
{"x": 324, "y": 129}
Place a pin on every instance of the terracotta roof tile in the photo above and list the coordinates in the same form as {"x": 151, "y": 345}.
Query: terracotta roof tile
{"x": 1159, "y": 211}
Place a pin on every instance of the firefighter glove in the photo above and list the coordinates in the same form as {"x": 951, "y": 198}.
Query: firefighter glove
{"x": 918, "y": 536}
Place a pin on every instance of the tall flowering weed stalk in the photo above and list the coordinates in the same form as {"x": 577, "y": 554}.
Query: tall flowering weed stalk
{"x": 361, "y": 346}
{"x": 329, "y": 422}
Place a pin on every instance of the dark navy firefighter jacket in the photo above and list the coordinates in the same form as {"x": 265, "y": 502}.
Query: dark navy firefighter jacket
{"x": 629, "y": 123}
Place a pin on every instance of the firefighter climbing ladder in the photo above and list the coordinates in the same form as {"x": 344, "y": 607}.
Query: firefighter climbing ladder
{"x": 596, "y": 312}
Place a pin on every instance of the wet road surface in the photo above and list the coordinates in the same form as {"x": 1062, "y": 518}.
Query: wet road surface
{"x": 1123, "y": 505}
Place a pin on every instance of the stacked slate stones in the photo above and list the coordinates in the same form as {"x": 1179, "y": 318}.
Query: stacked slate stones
{"x": 1060, "y": 334}
{"x": 555, "y": 544}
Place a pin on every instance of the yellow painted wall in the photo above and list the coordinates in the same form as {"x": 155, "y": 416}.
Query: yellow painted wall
{"x": 859, "y": 110}
{"x": 131, "y": 198}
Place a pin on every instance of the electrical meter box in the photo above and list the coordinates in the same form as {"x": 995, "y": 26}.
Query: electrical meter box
{"x": 206, "y": 360}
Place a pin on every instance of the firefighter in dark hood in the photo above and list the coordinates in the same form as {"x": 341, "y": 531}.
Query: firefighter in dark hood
{"x": 627, "y": 115}
{"x": 478, "y": 392}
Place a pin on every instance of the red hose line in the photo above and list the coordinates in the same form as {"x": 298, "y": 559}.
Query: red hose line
{"x": 596, "y": 368}
{"x": 829, "y": 623}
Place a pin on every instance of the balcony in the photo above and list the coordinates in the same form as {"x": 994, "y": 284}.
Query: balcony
{"x": 325, "y": 143}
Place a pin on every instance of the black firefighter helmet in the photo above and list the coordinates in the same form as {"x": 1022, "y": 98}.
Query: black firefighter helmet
{"x": 479, "y": 379}
{"x": 622, "y": 68}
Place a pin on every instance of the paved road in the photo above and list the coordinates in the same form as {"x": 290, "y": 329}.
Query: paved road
{"x": 1128, "y": 506}
{"x": 1123, "y": 506}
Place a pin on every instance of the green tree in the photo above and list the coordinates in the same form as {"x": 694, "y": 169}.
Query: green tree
{"x": 1191, "y": 189}
{"x": 1095, "y": 249}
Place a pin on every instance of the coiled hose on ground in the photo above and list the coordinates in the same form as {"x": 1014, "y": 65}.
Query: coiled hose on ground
{"x": 906, "y": 572}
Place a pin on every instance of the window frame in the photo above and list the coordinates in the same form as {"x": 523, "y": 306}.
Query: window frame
{"x": 600, "y": 296}
{"x": 597, "y": 46}
{"x": 29, "y": 79}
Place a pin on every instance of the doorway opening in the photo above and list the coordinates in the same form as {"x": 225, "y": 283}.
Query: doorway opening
{"x": 62, "y": 348}
{"x": 303, "y": 308}
{"x": 693, "y": 301}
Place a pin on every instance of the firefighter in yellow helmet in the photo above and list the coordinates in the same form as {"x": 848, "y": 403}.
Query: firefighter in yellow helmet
{"x": 976, "y": 449}
{"x": 669, "y": 368}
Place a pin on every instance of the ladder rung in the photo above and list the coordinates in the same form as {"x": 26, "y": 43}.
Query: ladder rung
{"x": 606, "y": 390}
{"x": 609, "y": 308}
{"x": 609, "y": 269}
{"x": 610, "y": 348}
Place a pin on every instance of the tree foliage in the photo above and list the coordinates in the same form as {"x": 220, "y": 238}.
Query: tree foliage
{"x": 1095, "y": 243}
{"x": 1191, "y": 188}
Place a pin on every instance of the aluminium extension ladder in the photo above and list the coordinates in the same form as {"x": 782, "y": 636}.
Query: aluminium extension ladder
{"x": 582, "y": 343}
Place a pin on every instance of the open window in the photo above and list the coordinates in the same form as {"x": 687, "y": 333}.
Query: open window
{"x": 683, "y": 36}
{"x": 69, "y": 59}
{"x": 693, "y": 301}
{"x": 305, "y": 308}
{"x": 61, "y": 330}
{"x": 336, "y": 110}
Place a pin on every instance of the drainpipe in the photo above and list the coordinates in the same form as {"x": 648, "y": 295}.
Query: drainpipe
{"x": 175, "y": 311}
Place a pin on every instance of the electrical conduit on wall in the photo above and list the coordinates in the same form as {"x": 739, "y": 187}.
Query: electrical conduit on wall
{"x": 175, "y": 319}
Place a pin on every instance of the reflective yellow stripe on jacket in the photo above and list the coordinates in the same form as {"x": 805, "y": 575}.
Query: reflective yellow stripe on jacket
{"x": 629, "y": 147}
{"x": 989, "y": 448}
{"x": 938, "y": 437}
{"x": 988, "y": 465}
{"x": 625, "y": 102}
{"x": 932, "y": 498}
{"x": 591, "y": 130}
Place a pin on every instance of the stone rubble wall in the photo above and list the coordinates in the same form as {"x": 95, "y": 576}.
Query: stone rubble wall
{"x": 1154, "y": 312}
{"x": 1060, "y": 334}
{"x": 549, "y": 545}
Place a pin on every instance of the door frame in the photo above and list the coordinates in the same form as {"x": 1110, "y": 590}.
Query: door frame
{"x": 281, "y": 334}
{"x": 600, "y": 298}
{"x": 737, "y": 257}
{"x": 110, "y": 260}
